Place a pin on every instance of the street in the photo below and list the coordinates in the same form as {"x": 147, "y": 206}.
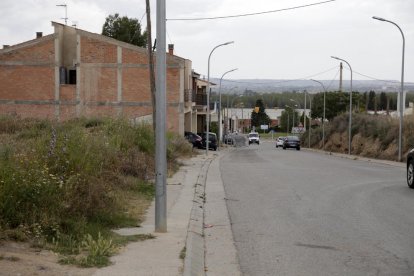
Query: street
{"x": 308, "y": 213}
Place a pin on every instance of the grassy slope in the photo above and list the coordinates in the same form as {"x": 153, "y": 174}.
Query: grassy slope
{"x": 65, "y": 185}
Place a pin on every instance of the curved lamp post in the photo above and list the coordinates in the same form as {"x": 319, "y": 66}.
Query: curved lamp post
{"x": 293, "y": 115}
{"x": 227, "y": 109}
{"x": 208, "y": 93}
{"x": 350, "y": 106}
{"x": 232, "y": 107}
{"x": 323, "y": 121}
{"x": 219, "y": 110}
{"x": 296, "y": 105}
{"x": 402, "y": 85}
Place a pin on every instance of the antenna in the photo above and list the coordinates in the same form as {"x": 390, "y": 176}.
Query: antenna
{"x": 66, "y": 12}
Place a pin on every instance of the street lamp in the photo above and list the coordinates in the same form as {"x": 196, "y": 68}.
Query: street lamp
{"x": 208, "y": 93}
{"x": 287, "y": 129}
{"x": 296, "y": 105}
{"x": 350, "y": 106}
{"x": 219, "y": 110}
{"x": 402, "y": 85}
{"x": 293, "y": 109}
{"x": 310, "y": 118}
{"x": 293, "y": 115}
{"x": 323, "y": 121}
{"x": 227, "y": 111}
{"x": 232, "y": 107}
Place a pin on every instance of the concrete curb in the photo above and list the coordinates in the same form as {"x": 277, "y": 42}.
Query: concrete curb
{"x": 194, "y": 262}
{"x": 221, "y": 255}
{"x": 360, "y": 158}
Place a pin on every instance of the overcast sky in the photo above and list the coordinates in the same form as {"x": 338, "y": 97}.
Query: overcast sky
{"x": 293, "y": 44}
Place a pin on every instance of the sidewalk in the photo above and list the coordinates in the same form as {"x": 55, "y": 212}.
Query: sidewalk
{"x": 197, "y": 224}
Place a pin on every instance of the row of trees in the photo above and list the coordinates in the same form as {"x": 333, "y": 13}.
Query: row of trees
{"x": 336, "y": 103}
{"x": 362, "y": 101}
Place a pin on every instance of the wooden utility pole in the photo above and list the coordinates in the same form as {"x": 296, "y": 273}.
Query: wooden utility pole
{"x": 151, "y": 63}
{"x": 340, "y": 76}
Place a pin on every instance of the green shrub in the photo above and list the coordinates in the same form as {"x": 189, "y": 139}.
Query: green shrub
{"x": 60, "y": 182}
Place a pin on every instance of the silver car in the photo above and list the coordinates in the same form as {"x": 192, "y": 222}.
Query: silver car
{"x": 280, "y": 140}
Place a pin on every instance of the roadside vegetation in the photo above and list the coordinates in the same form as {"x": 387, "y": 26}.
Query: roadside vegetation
{"x": 373, "y": 136}
{"x": 64, "y": 186}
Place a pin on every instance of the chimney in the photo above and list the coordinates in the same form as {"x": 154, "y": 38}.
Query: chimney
{"x": 39, "y": 34}
{"x": 6, "y": 46}
{"x": 171, "y": 49}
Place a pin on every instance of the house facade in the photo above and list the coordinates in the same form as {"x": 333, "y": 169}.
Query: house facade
{"x": 73, "y": 73}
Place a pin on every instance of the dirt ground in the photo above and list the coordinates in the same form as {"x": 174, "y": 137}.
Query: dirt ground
{"x": 19, "y": 259}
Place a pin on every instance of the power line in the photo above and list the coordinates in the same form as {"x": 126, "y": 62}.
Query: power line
{"x": 168, "y": 35}
{"x": 248, "y": 14}
{"x": 372, "y": 78}
{"x": 283, "y": 81}
{"x": 337, "y": 72}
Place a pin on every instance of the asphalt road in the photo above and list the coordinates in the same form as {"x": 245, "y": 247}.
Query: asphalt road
{"x": 306, "y": 213}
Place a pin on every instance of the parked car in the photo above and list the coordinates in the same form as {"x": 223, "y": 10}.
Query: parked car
{"x": 212, "y": 140}
{"x": 410, "y": 169}
{"x": 279, "y": 141}
{"x": 228, "y": 139}
{"x": 194, "y": 139}
{"x": 254, "y": 138}
{"x": 291, "y": 142}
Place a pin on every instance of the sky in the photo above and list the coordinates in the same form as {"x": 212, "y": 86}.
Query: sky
{"x": 291, "y": 44}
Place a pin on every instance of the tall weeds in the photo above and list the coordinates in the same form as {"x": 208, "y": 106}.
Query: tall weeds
{"x": 60, "y": 180}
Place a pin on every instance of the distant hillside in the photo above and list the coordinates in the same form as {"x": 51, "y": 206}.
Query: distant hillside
{"x": 269, "y": 86}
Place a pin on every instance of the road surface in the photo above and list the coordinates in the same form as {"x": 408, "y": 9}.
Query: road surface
{"x": 306, "y": 213}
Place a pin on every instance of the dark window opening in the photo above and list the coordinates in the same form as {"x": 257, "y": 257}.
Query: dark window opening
{"x": 67, "y": 76}
{"x": 72, "y": 76}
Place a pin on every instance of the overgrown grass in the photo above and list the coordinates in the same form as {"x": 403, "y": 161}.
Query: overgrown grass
{"x": 65, "y": 185}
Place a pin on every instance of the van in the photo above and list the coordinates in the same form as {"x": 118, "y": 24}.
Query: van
{"x": 212, "y": 140}
{"x": 254, "y": 138}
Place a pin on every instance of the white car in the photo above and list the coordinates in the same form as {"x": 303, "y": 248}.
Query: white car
{"x": 280, "y": 140}
{"x": 254, "y": 138}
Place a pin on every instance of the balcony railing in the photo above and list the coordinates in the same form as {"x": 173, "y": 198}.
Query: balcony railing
{"x": 201, "y": 99}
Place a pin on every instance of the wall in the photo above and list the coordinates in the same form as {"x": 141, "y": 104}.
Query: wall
{"x": 112, "y": 79}
{"x": 27, "y": 78}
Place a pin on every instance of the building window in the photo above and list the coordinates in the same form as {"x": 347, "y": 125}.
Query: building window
{"x": 67, "y": 76}
{"x": 72, "y": 76}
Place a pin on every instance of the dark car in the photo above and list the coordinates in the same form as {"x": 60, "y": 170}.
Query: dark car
{"x": 410, "y": 169}
{"x": 228, "y": 139}
{"x": 194, "y": 139}
{"x": 212, "y": 140}
{"x": 291, "y": 142}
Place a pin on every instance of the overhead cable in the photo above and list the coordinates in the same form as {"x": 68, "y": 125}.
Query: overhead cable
{"x": 248, "y": 14}
{"x": 372, "y": 78}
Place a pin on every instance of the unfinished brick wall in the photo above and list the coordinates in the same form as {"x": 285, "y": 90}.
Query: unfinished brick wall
{"x": 27, "y": 76}
{"x": 113, "y": 80}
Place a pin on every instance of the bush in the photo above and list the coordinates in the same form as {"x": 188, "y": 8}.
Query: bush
{"x": 60, "y": 182}
{"x": 372, "y": 129}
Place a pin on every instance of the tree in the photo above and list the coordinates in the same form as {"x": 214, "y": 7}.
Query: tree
{"x": 259, "y": 116}
{"x": 336, "y": 103}
{"x": 124, "y": 29}
{"x": 383, "y": 101}
{"x": 371, "y": 100}
{"x": 286, "y": 119}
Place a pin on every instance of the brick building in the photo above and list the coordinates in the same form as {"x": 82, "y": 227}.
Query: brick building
{"x": 73, "y": 73}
